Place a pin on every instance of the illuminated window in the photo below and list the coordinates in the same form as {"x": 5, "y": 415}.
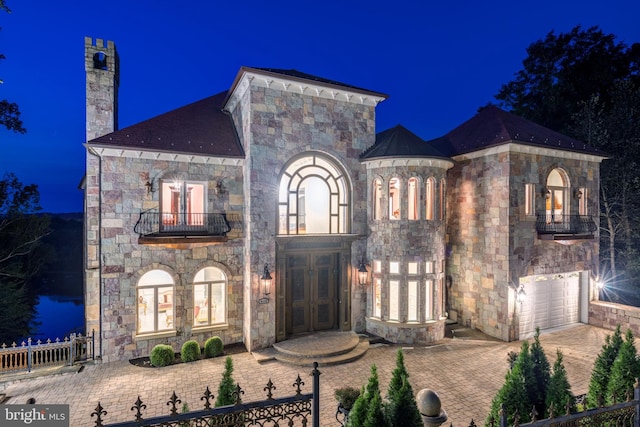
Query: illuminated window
{"x": 394, "y": 198}
{"x": 412, "y": 268}
{"x": 428, "y": 300}
{"x": 430, "y": 197}
{"x": 377, "y": 199}
{"x": 394, "y": 300}
{"x": 556, "y": 198}
{"x": 394, "y": 267}
{"x": 430, "y": 267}
{"x": 413, "y": 199}
{"x": 155, "y": 302}
{"x": 313, "y": 197}
{"x": 209, "y": 297}
{"x": 377, "y": 266}
{"x": 529, "y": 199}
{"x": 412, "y": 301}
{"x": 377, "y": 297}
{"x": 443, "y": 195}
{"x": 183, "y": 204}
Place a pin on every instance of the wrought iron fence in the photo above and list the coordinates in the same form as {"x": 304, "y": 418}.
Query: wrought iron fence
{"x": 153, "y": 222}
{"x": 291, "y": 411}
{"x": 565, "y": 224}
{"x": 28, "y": 356}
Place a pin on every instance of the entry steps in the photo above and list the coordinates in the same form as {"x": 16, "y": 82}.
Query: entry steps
{"x": 326, "y": 348}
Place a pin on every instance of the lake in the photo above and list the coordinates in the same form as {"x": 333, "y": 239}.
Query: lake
{"x": 59, "y": 315}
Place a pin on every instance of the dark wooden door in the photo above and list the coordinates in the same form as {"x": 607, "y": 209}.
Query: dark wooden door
{"x": 311, "y": 292}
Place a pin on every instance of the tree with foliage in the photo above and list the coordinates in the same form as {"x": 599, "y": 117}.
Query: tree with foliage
{"x": 585, "y": 84}
{"x": 361, "y": 408}
{"x": 375, "y": 414}
{"x": 625, "y": 370}
{"x": 558, "y": 393}
{"x": 227, "y": 385}
{"x": 401, "y": 408}
{"x": 541, "y": 374}
{"x": 596, "y": 396}
{"x": 9, "y": 111}
{"x": 514, "y": 394}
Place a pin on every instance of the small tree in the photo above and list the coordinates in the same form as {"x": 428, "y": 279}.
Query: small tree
{"x": 513, "y": 393}
{"x": 375, "y": 415}
{"x": 602, "y": 369}
{"x": 401, "y": 408}
{"x": 625, "y": 370}
{"x": 227, "y": 385}
{"x": 559, "y": 391}
{"x": 358, "y": 415}
{"x": 541, "y": 373}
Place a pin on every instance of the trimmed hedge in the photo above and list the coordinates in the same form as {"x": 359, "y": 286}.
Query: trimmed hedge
{"x": 213, "y": 347}
{"x": 190, "y": 351}
{"x": 162, "y": 355}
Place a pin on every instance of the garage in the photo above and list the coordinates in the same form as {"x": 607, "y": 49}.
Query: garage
{"x": 551, "y": 301}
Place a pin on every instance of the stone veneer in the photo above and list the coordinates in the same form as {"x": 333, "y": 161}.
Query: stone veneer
{"x": 116, "y": 261}
{"x": 491, "y": 243}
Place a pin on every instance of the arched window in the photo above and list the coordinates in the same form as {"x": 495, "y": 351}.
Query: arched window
{"x": 377, "y": 198}
{"x": 394, "y": 198}
{"x": 443, "y": 197}
{"x": 209, "y": 297}
{"x": 155, "y": 302}
{"x": 413, "y": 196}
{"x": 430, "y": 197}
{"x": 314, "y": 197}
{"x": 557, "y": 196}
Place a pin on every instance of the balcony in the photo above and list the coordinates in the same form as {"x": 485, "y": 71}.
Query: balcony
{"x": 169, "y": 228}
{"x": 565, "y": 227}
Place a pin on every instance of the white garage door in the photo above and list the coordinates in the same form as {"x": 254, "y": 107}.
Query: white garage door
{"x": 551, "y": 301}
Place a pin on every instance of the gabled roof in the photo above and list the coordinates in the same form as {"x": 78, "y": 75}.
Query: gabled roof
{"x": 200, "y": 128}
{"x": 398, "y": 141}
{"x": 493, "y": 126}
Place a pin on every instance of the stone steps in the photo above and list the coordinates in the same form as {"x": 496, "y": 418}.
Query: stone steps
{"x": 326, "y": 348}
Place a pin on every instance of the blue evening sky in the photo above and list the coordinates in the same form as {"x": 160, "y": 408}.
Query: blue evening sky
{"x": 437, "y": 61}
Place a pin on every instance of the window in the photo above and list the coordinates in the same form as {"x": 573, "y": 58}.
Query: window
{"x": 209, "y": 297}
{"x": 529, "y": 199}
{"x": 582, "y": 201}
{"x": 394, "y": 198}
{"x": 377, "y": 199}
{"x": 556, "y": 196}
{"x": 413, "y": 197}
{"x": 412, "y": 301}
{"x": 430, "y": 199}
{"x": 428, "y": 300}
{"x": 443, "y": 195}
{"x": 377, "y": 289}
{"x": 394, "y": 267}
{"x": 394, "y": 300}
{"x": 183, "y": 203}
{"x": 313, "y": 197}
{"x": 430, "y": 267}
{"x": 155, "y": 302}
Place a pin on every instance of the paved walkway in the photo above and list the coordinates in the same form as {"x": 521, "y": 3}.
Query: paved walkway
{"x": 466, "y": 373}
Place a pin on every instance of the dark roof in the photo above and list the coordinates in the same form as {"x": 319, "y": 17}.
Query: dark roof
{"x": 302, "y": 77}
{"x": 493, "y": 126}
{"x": 400, "y": 142}
{"x": 200, "y": 128}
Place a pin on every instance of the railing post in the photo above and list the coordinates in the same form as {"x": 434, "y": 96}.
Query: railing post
{"x": 72, "y": 343}
{"x": 502, "y": 414}
{"x": 29, "y": 354}
{"x": 636, "y": 401}
{"x": 316, "y": 395}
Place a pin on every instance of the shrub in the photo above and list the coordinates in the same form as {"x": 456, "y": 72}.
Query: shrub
{"x": 347, "y": 396}
{"x": 213, "y": 347}
{"x": 596, "y": 396}
{"x": 559, "y": 394}
{"x": 358, "y": 414}
{"x": 190, "y": 351}
{"x": 625, "y": 370}
{"x": 401, "y": 409}
{"x": 162, "y": 355}
{"x": 227, "y": 386}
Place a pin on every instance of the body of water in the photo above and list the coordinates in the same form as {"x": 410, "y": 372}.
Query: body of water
{"x": 59, "y": 315}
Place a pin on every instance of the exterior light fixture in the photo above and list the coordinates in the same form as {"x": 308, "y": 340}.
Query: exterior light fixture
{"x": 265, "y": 280}
{"x": 578, "y": 194}
{"x": 362, "y": 273}
{"x": 149, "y": 186}
{"x": 521, "y": 295}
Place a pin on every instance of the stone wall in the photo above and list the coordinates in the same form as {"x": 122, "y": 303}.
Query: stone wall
{"x": 609, "y": 315}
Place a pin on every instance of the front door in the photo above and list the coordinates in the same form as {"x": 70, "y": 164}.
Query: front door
{"x": 311, "y": 289}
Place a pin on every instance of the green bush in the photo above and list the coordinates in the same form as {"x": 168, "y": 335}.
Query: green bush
{"x": 190, "y": 351}
{"x": 213, "y": 347}
{"x": 227, "y": 386}
{"x": 162, "y": 355}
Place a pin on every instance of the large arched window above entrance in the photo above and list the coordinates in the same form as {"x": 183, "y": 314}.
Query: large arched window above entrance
{"x": 314, "y": 197}
{"x": 155, "y": 302}
{"x": 556, "y": 204}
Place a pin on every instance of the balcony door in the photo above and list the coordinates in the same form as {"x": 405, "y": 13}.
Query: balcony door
{"x": 183, "y": 205}
{"x": 556, "y": 198}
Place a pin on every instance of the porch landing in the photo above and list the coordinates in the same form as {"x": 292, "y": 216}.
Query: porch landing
{"x": 326, "y": 348}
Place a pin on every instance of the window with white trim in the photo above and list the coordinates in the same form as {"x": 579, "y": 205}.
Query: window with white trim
{"x": 394, "y": 198}
{"x": 529, "y": 199}
{"x": 582, "y": 201}
{"x": 443, "y": 198}
{"x": 394, "y": 300}
{"x": 183, "y": 203}
{"x": 377, "y": 199}
{"x": 430, "y": 197}
{"x": 377, "y": 289}
{"x": 155, "y": 305}
{"x": 428, "y": 300}
{"x": 209, "y": 297}
{"x": 413, "y": 197}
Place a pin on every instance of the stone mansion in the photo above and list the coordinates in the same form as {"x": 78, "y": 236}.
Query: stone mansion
{"x": 276, "y": 208}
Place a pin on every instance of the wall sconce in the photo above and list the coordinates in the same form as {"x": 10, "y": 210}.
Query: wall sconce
{"x": 265, "y": 280}
{"x": 218, "y": 188}
{"x": 149, "y": 186}
{"x": 578, "y": 194}
{"x": 521, "y": 295}
{"x": 362, "y": 273}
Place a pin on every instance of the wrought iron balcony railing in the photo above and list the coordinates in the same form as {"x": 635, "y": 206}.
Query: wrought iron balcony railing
{"x": 562, "y": 224}
{"x": 155, "y": 223}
